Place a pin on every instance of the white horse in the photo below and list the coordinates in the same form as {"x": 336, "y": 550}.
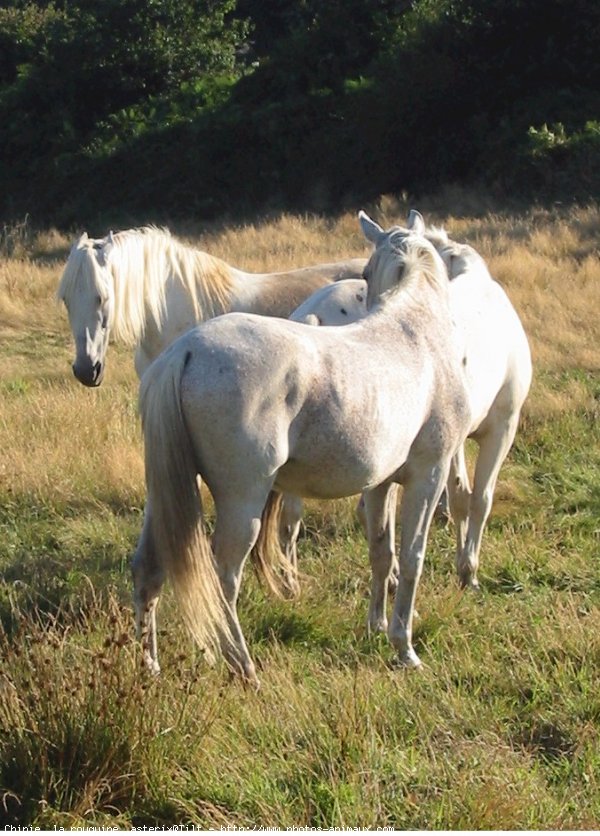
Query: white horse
{"x": 146, "y": 288}
{"x": 498, "y": 376}
{"x": 499, "y": 373}
{"x": 255, "y": 405}
{"x": 335, "y": 304}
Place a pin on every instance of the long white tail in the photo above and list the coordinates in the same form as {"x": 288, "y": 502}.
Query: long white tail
{"x": 175, "y": 505}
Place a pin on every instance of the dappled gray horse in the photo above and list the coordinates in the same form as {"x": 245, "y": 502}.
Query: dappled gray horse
{"x": 257, "y": 406}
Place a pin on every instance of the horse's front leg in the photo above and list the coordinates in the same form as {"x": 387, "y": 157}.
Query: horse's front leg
{"x": 419, "y": 500}
{"x": 148, "y": 578}
{"x": 379, "y": 514}
{"x": 390, "y": 511}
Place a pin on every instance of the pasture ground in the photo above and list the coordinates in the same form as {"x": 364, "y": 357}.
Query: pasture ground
{"x": 500, "y": 728}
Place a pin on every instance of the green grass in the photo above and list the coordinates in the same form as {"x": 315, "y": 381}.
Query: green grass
{"x": 499, "y": 729}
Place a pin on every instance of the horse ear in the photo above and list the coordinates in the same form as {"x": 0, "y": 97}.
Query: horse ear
{"x": 372, "y": 231}
{"x": 415, "y": 222}
{"x": 82, "y": 239}
{"x": 104, "y": 251}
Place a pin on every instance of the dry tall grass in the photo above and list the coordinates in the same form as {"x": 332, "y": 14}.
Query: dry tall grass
{"x": 500, "y": 730}
{"x": 69, "y": 438}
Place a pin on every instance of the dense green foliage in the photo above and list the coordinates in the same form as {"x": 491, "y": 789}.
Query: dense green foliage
{"x": 159, "y": 109}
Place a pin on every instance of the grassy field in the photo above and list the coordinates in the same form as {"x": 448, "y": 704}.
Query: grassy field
{"x": 500, "y": 728}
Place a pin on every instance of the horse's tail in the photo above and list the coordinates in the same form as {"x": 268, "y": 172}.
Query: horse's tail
{"x": 174, "y": 503}
{"x": 267, "y": 556}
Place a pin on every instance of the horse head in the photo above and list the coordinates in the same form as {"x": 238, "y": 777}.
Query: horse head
{"x": 396, "y": 251}
{"x": 85, "y": 288}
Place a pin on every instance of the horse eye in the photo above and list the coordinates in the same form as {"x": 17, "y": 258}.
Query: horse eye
{"x": 98, "y": 300}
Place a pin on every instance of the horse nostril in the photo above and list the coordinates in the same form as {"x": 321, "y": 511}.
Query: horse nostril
{"x": 88, "y": 373}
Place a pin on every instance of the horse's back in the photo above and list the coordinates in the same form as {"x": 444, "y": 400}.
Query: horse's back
{"x": 279, "y": 294}
{"x": 245, "y": 376}
{"x": 330, "y": 408}
{"x": 334, "y": 271}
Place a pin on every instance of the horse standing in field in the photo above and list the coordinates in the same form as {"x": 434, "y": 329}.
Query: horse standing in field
{"x": 145, "y": 288}
{"x": 255, "y": 405}
{"x": 498, "y": 376}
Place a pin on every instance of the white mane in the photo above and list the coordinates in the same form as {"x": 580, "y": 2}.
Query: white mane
{"x": 152, "y": 257}
{"x": 461, "y": 258}
{"x": 134, "y": 267}
{"x": 437, "y": 236}
{"x": 417, "y": 260}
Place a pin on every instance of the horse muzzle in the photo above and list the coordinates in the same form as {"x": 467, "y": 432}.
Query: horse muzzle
{"x": 88, "y": 373}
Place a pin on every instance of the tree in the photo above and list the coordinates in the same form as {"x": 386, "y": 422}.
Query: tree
{"x": 73, "y": 63}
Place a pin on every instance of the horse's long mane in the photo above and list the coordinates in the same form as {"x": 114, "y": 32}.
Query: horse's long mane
{"x": 418, "y": 261}
{"x": 141, "y": 263}
{"x": 134, "y": 267}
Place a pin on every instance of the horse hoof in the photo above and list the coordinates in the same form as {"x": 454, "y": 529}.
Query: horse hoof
{"x": 244, "y": 674}
{"x": 152, "y": 666}
{"x": 378, "y": 626}
{"x": 470, "y": 585}
{"x": 251, "y": 681}
{"x": 408, "y": 660}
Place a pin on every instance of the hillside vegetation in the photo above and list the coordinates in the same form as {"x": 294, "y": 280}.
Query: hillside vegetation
{"x": 500, "y": 728}
{"x": 135, "y": 111}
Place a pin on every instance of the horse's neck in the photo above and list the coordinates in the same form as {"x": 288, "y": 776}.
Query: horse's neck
{"x": 425, "y": 301}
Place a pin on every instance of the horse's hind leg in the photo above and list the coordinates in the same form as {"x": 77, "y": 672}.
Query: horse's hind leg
{"x": 419, "y": 500}
{"x": 148, "y": 578}
{"x": 289, "y": 529}
{"x": 443, "y": 514}
{"x": 236, "y": 530}
{"x": 493, "y": 449}
{"x": 459, "y": 495}
{"x": 380, "y": 518}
